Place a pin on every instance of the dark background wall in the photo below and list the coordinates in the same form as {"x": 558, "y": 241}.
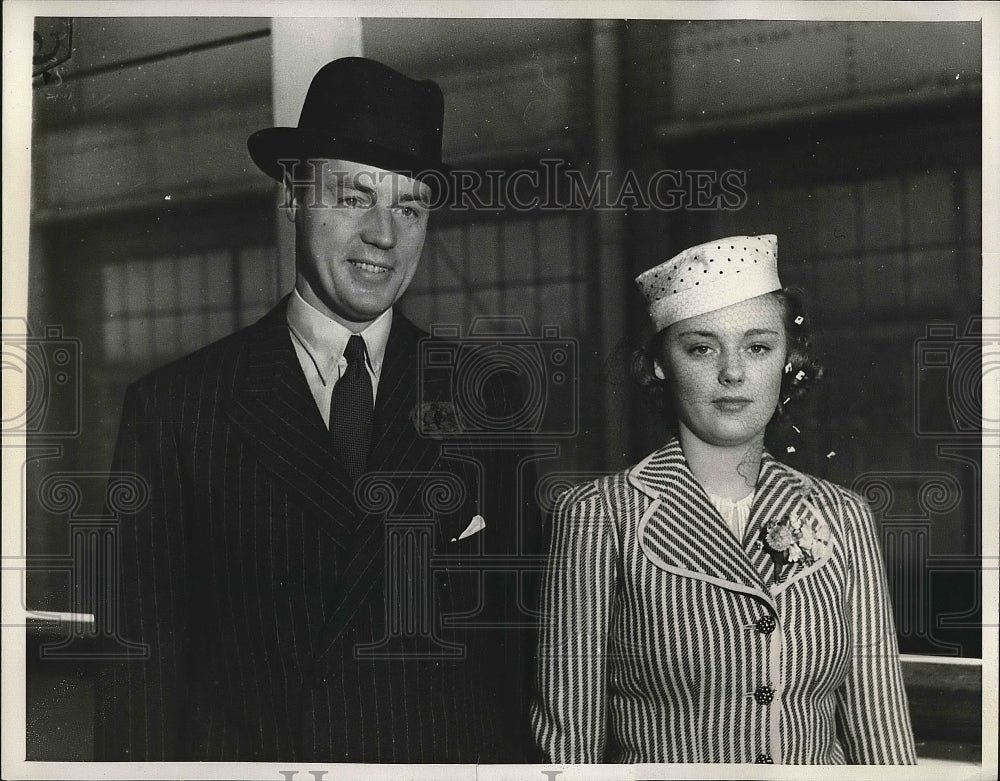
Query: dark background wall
{"x": 859, "y": 144}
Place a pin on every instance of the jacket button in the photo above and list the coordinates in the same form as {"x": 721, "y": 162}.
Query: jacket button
{"x": 764, "y": 695}
{"x": 765, "y": 625}
{"x": 764, "y": 759}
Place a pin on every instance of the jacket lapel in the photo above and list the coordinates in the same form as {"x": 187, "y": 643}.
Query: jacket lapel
{"x": 395, "y": 444}
{"x": 682, "y": 532}
{"x": 273, "y": 406}
{"x": 782, "y": 492}
{"x": 398, "y": 455}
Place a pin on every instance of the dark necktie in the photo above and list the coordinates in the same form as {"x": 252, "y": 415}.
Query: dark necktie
{"x": 352, "y": 409}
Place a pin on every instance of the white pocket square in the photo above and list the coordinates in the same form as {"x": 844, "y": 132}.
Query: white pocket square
{"x": 477, "y": 524}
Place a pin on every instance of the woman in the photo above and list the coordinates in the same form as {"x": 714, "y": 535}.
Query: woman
{"x": 711, "y": 604}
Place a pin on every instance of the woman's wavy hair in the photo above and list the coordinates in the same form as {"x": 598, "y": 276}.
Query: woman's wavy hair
{"x": 804, "y": 370}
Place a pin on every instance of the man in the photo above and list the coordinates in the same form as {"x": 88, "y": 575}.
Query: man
{"x": 308, "y": 570}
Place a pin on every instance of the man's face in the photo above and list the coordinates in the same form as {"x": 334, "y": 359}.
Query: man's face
{"x": 357, "y": 246}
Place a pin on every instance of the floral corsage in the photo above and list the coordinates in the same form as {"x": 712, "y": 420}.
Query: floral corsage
{"x": 435, "y": 419}
{"x": 800, "y": 536}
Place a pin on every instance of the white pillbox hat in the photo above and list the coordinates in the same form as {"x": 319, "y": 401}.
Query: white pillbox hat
{"x": 709, "y": 277}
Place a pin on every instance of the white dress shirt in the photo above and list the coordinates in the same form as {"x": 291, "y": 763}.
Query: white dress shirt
{"x": 320, "y": 343}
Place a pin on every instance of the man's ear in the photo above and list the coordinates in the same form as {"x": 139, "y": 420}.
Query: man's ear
{"x": 658, "y": 371}
{"x": 291, "y": 204}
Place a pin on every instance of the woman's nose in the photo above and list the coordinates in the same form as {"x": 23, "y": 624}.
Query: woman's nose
{"x": 731, "y": 371}
{"x": 378, "y": 228}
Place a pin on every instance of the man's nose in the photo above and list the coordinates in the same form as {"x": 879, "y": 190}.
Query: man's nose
{"x": 378, "y": 228}
{"x": 731, "y": 372}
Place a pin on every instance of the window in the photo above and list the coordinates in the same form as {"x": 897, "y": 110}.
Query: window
{"x": 161, "y": 308}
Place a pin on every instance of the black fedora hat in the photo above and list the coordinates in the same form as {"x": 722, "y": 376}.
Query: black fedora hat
{"x": 361, "y": 110}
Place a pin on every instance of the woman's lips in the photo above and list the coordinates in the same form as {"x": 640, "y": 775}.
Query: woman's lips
{"x": 731, "y": 403}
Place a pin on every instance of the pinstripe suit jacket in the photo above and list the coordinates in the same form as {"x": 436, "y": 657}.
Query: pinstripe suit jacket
{"x": 289, "y": 616}
{"x": 652, "y": 647}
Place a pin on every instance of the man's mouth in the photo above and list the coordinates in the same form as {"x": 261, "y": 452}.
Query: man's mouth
{"x": 371, "y": 268}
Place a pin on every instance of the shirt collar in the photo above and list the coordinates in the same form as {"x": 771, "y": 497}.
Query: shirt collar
{"x": 325, "y": 339}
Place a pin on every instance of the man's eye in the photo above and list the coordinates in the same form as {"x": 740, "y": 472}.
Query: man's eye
{"x": 409, "y": 212}
{"x": 355, "y": 200}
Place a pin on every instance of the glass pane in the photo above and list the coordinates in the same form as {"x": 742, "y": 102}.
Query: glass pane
{"x": 483, "y": 248}
{"x": 113, "y": 286}
{"x": 933, "y": 278}
{"x": 167, "y": 338}
{"x": 189, "y": 277}
{"x": 217, "y": 276}
{"x": 885, "y": 283}
{"x": 556, "y": 303}
{"x": 136, "y": 288}
{"x": 518, "y": 252}
{"x": 835, "y": 219}
{"x": 519, "y": 301}
{"x": 882, "y": 214}
{"x": 114, "y": 340}
{"x": 221, "y": 322}
{"x": 164, "y": 285}
{"x": 192, "y": 332}
{"x": 842, "y": 276}
{"x": 486, "y": 303}
{"x": 257, "y": 284}
{"x": 452, "y": 308}
{"x": 138, "y": 339}
{"x": 449, "y": 267}
{"x": 554, "y": 246}
{"x": 929, "y": 208}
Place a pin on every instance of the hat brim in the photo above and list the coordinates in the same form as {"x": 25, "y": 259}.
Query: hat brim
{"x": 271, "y": 145}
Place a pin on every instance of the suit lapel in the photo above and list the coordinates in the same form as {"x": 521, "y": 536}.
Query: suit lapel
{"x": 395, "y": 444}
{"x": 273, "y": 406}
{"x": 682, "y": 532}
{"x": 398, "y": 455}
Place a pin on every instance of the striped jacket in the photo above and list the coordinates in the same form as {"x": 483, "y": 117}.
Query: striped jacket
{"x": 666, "y": 639}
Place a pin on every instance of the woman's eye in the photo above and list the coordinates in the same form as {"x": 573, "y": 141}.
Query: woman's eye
{"x": 759, "y": 349}
{"x": 699, "y": 349}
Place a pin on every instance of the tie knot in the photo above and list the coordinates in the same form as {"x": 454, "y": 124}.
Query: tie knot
{"x": 355, "y": 352}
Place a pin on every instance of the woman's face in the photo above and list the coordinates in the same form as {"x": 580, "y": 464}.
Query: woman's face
{"x": 725, "y": 369}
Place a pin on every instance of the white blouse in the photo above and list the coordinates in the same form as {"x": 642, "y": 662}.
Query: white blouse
{"x": 735, "y": 514}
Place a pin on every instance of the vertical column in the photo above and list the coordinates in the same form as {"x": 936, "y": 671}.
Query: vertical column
{"x": 97, "y": 590}
{"x": 612, "y": 268}
{"x": 300, "y": 46}
{"x": 411, "y": 614}
{"x": 409, "y": 503}
{"x": 906, "y": 548}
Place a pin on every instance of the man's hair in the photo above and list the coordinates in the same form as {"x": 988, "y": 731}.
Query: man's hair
{"x": 803, "y": 367}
